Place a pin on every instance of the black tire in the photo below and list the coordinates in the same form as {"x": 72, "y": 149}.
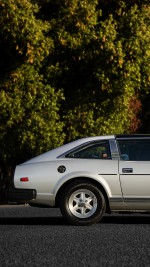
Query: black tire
{"x": 82, "y": 203}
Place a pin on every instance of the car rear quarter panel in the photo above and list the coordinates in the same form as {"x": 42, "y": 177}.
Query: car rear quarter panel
{"x": 45, "y": 178}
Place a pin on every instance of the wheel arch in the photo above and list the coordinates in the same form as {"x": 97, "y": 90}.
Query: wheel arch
{"x": 83, "y": 179}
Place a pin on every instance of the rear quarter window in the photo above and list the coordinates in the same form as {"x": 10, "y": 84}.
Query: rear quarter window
{"x": 92, "y": 151}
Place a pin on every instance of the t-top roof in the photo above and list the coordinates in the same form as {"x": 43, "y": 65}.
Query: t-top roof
{"x": 120, "y": 136}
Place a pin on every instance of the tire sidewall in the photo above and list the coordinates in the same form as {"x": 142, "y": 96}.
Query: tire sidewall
{"x": 64, "y": 204}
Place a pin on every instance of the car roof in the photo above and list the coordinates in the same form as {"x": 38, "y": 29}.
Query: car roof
{"x": 55, "y": 153}
{"x": 122, "y": 136}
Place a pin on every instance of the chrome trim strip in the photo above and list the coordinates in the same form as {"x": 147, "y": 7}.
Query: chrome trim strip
{"x": 127, "y": 200}
{"x": 108, "y": 174}
{"x": 133, "y": 174}
{"x": 116, "y": 199}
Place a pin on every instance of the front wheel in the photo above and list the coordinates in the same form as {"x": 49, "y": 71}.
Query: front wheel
{"x": 82, "y": 203}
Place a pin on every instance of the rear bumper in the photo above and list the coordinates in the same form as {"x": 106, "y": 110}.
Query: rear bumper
{"x": 20, "y": 195}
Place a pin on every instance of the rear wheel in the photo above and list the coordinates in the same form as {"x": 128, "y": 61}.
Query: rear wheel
{"x": 82, "y": 203}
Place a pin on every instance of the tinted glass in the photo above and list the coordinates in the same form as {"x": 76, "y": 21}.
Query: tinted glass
{"x": 93, "y": 151}
{"x": 136, "y": 150}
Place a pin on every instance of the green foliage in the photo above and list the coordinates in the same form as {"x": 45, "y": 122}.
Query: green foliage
{"x": 22, "y": 32}
{"x": 69, "y": 69}
{"x": 103, "y": 59}
{"x": 29, "y": 113}
{"x": 29, "y": 107}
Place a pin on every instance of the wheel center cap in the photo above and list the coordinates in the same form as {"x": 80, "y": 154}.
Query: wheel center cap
{"x": 82, "y": 204}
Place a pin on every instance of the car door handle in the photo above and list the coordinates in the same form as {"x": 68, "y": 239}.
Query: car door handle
{"x": 127, "y": 170}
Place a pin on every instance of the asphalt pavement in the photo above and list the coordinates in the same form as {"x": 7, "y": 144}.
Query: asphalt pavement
{"x": 41, "y": 237}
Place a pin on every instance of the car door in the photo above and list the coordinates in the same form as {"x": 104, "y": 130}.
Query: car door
{"x": 134, "y": 170}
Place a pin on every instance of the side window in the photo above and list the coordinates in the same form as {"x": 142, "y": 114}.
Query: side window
{"x": 136, "y": 150}
{"x": 99, "y": 150}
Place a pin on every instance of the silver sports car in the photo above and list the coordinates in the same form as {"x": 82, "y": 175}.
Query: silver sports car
{"x": 88, "y": 177}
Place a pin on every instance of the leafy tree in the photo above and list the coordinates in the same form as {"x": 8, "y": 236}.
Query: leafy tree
{"x": 29, "y": 107}
{"x": 101, "y": 53}
{"x": 68, "y": 69}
